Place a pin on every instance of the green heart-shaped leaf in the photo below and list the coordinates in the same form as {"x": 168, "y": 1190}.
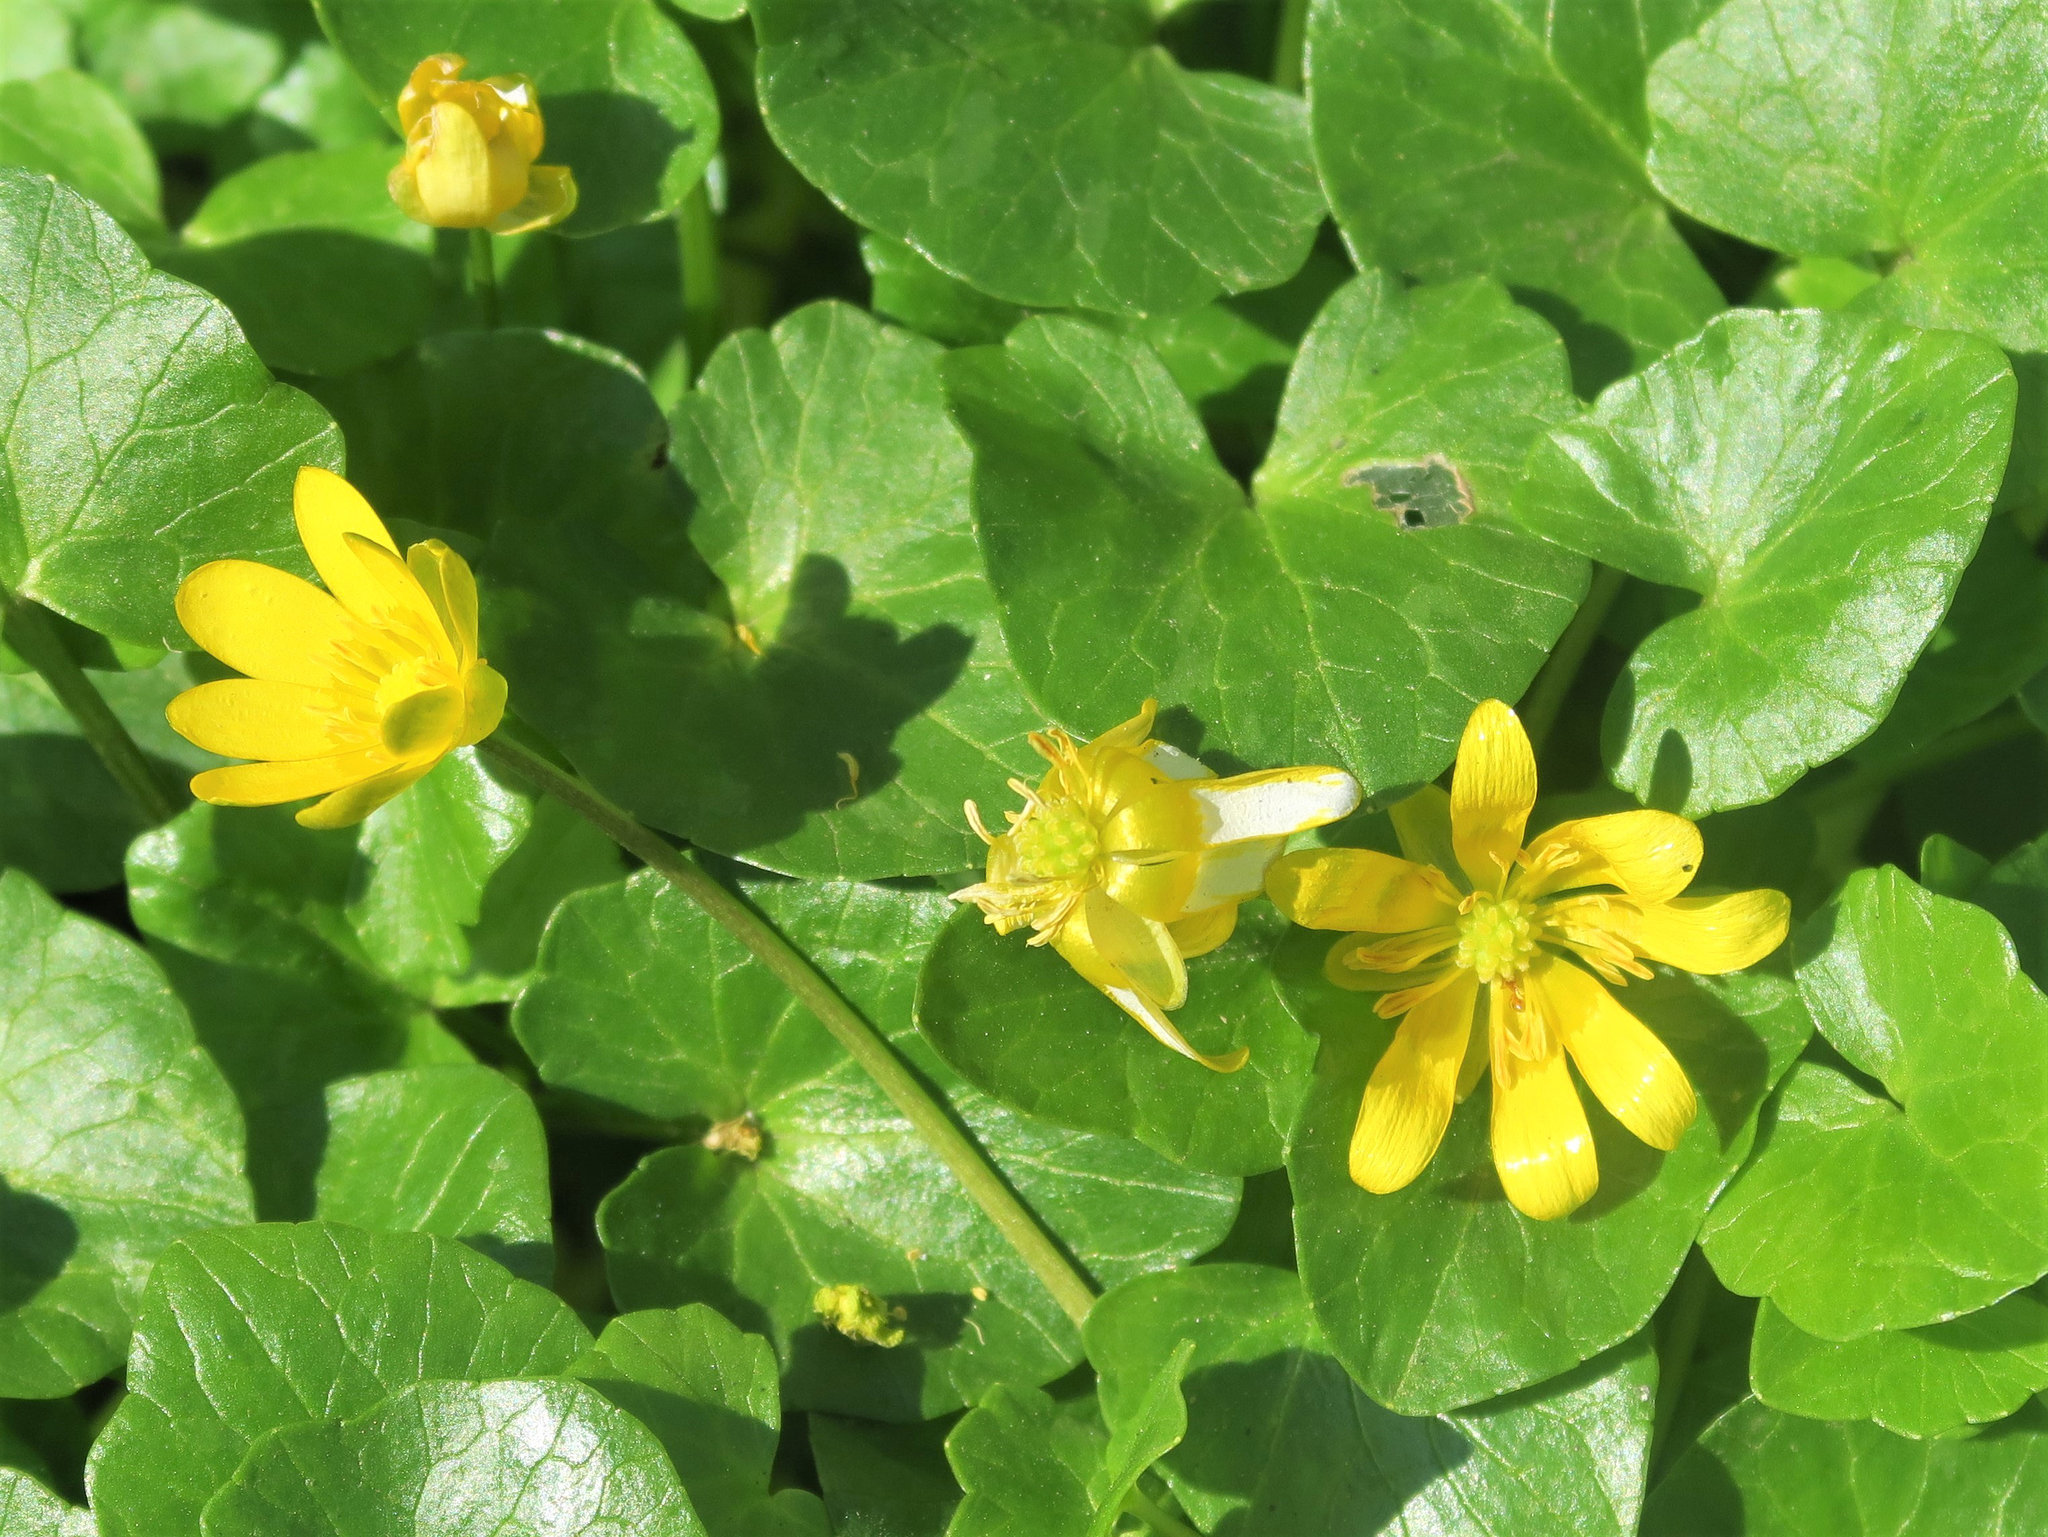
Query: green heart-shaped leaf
{"x": 117, "y": 1138}
{"x": 1048, "y": 155}
{"x": 1939, "y": 1191}
{"x": 1820, "y": 481}
{"x": 1374, "y": 589}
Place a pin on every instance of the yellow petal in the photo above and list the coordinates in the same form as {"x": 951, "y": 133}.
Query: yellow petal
{"x": 445, "y": 578}
{"x": 1408, "y": 1101}
{"x": 265, "y": 622}
{"x": 1079, "y": 943}
{"x": 404, "y": 186}
{"x": 1131, "y": 734}
{"x": 1170, "y": 887}
{"x": 1492, "y": 789}
{"x": 1342, "y": 967}
{"x": 486, "y": 695}
{"x": 1362, "y": 890}
{"x": 422, "y": 89}
{"x": 250, "y": 718}
{"x": 1628, "y": 1069}
{"x": 1398, "y": 953}
{"x": 401, "y": 611}
{"x": 1135, "y": 952}
{"x": 349, "y": 805}
{"x": 1542, "y": 1147}
{"x": 424, "y": 724}
{"x": 1205, "y": 931}
{"x": 550, "y": 198}
{"x": 1710, "y": 935}
{"x": 269, "y": 784}
{"x": 453, "y": 174}
{"x": 1203, "y": 813}
{"x": 328, "y": 509}
{"x": 1651, "y": 855}
{"x": 1422, "y": 822}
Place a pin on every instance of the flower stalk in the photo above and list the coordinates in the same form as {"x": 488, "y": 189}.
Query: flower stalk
{"x": 483, "y": 277}
{"x": 1069, "y": 1288}
{"x": 33, "y": 637}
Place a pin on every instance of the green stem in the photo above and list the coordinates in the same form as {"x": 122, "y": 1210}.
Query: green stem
{"x": 861, "y": 1040}
{"x": 1678, "y": 1337}
{"x": 1546, "y": 695}
{"x": 1873, "y": 779}
{"x": 1290, "y": 48}
{"x": 483, "y": 276}
{"x": 37, "y": 642}
{"x": 1149, "y": 1511}
{"x": 697, "y": 247}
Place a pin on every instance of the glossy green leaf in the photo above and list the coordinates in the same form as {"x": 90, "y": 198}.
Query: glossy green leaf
{"x": 181, "y": 450}
{"x": 643, "y": 1002}
{"x": 117, "y": 1137}
{"x": 1279, "y": 1439}
{"x": 832, "y": 502}
{"x": 1442, "y": 1294}
{"x": 1765, "y": 1474}
{"x": 322, "y": 271}
{"x": 1933, "y": 1193}
{"x": 244, "y": 911}
{"x": 1992, "y": 640}
{"x": 1030, "y": 1464}
{"x": 178, "y": 62}
{"x": 248, "y": 1331}
{"x": 27, "y": 1509}
{"x": 1017, "y": 1022}
{"x": 316, "y": 104}
{"x": 454, "y": 1150}
{"x": 1507, "y": 138}
{"x": 1048, "y": 155}
{"x": 711, "y": 1395}
{"x": 909, "y": 290}
{"x": 63, "y": 820}
{"x": 2015, "y": 892}
{"x": 1820, "y": 481}
{"x": 71, "y": 126}
{"x": 35, "y": 38}
{"x": 521, "y": 1459}
{"x": 628, "y": 107}
{"x": 884, "y": 1480}
{"x": 1834, "y": 130}
{"x": 1917, "y": 1382}
{"x": 1376, "y": 587}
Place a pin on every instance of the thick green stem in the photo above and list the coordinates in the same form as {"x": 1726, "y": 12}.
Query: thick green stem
{"x": 1546, "y": 695}
{"x": 697, "y": 247}
{"x": 1149, "y": 1511}
{"x": 1290, "y": 47}
{"x": 36, "y": 641}
{"x": 483, "y": 276}
{"x": 1678, "y": 1337}
{"x": 1873, "y": 779}
{"x": 862, "y": 1041}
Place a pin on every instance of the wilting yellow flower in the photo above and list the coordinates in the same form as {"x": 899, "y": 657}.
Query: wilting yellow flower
{"x": 352, "y": 693}
{"x": 470, "y": 147}
{"x": 1489, "y": 953}
{"x": 1131, "y": 857}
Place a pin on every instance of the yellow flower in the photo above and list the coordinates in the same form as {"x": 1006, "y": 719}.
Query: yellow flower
{"x": 1130, "y": 857}
{"x": 352, "y": 693}
{"x": 469, "y": 152}
{"x": 1489, "y": 951}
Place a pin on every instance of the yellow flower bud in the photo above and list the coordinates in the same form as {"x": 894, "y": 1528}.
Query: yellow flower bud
{"x": 469, "y": 152}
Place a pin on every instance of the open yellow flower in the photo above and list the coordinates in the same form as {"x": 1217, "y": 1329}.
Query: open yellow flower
{"x": 352, "y": 693}
{"x": 1130, "y": 857}
{"x": 1490, "y": 953}
{"x": 469, "y": 152}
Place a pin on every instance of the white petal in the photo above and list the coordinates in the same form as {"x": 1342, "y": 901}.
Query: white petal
{"x": 1273, "y": 805}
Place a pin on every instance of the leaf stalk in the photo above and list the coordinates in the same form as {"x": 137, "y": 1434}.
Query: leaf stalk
{"x": 1554, "y": 679}
{"x": 697, "y": 251}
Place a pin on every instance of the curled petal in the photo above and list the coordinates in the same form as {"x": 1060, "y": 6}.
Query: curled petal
{"x": 1628, "y": 1069}
{"x": 445, "y": 578}
{"x": 1542, "y": 1147}
{"x": 1493, "y": 789}
{"x": 1203, "y": 813}
{"x": 1169, "y": 887}
{"x": 1408, "y": 1100}
{"x": 1361, "y": 890}
{"x": 402, "y": 608}
{"x": 1081, "y": 943}
{"x": 424, "y": 725}
{"x": 350, "y": 804}
{"x": 1711, "y": 935}
{"x": 1205, "y": 931}
{"x": 550, "y": 198}
{"x": 1651, "y": 855}
{"x": 486, "y": 695}
{"x": 267, "y": 623}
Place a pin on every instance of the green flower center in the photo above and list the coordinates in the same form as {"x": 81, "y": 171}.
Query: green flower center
{"x": 1056, "y": 843}
{"x": 1495, "y": 937}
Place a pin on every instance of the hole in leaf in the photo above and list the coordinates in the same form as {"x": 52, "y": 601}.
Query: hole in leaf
{"x": 1418, "y": 493}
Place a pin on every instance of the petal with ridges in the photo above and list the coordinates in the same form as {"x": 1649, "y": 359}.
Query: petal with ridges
{"x": 271, "y": 784}
{"x": 1408, "y": 1100}
{"x": 1362, "y": 890}
{"x": 1628, "y": 1069}
{"x": 1138, "y": 948}
{"x": 446, "y": 579}
{"x": 1542, "y": 1147}
{"x": 265, "y": 622}
{"x": 327, "y": 510}
{"x": 1493, "y": 789}
{"x": 1077, "y": 944}
{"x": 1711, "y": 935}
{"x": 252, "y": 718}
{"x": 350, "y": 804}
{"x": 454, "y": 174}
{"x": 1649, "y": 854}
